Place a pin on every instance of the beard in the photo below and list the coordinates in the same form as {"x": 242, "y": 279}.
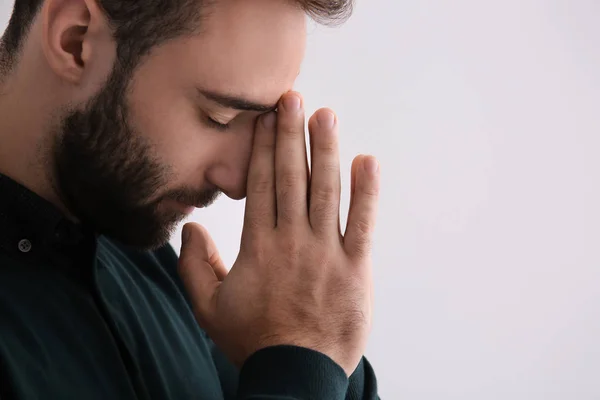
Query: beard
{"x": 109, "y": 176}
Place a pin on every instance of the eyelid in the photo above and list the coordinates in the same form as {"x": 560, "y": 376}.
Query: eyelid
{"x": 212, "y": 122}
{"x": 216, "y": 124}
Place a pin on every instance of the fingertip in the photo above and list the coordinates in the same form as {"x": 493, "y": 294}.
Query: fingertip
{"x": 370, "y": 165}
{"x": 186, "y": 233}
{"x": 268, "y": 120}
{"x": 326, "y": 120}
{"x": 357, "y": 164}
{"x": 292, "y": 101}
{"x": 358, "y": 160}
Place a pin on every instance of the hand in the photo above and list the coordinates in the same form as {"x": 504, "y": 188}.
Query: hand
{"x": 297, "y": 280}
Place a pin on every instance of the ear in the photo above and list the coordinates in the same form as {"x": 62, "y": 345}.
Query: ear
{"x": 71, "y": 35}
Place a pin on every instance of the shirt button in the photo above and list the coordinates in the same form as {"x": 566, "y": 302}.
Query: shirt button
{"x": 25, "y": 246}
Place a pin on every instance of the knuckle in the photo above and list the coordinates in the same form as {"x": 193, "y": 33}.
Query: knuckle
{"x": 260, "y": 185}
{"x": 260, "y": 253}
{"x": 327, "y": 147}
{"x": 291, "y": 179}
{"x": 370, "y": 191}
{"x": 361, "y": 250}
{"x": 254, "y": 246}
{"x": 285, "y": 217}
{"x": 287, "y": 206}
{"x": 363, "y": 227}
{"x": 325, "y": 193}
{"x": 319, "y": 256}
{"x": 255, "y": 221}
{"x": 289, "y": 128}
{"x": 324, "y": 207}
{"x": 329, "y": 169}
{"x": 265, "y": 145}
{"x": 361, "y": 247}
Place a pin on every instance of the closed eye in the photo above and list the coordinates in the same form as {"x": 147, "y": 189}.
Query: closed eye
{"x": 216, "y": 124}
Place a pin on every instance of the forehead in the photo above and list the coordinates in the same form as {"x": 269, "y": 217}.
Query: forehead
{"x": 252, "y": 49}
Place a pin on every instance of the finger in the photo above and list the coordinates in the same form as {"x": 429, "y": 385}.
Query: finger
{"x": 201, "y": 270}
{"x": 212, "y": 252}
{"x": 261, "y": 209}
{"x": 356, "y": 164}
{"x": 363, "y": 213}
{"x": 218, "y": 266}
{"x": 291, "y": 172}
{"x": 325, "y": 181}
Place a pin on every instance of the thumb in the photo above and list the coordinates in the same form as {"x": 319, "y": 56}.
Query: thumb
{"x": 205, "y": 247}
{"x": 200, "y": 267}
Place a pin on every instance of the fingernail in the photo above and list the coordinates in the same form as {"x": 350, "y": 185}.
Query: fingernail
{"x": 291, "y": 102}
{"x": 185, "y": 235}
{"x": 269, "y": 120}
{"x": 326, "y": 119}
{"x": 371, "y": 165}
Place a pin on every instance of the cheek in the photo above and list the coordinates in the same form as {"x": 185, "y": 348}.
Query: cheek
{"x": 162, "y": 114}
{"x": 192, "y": 151}
{"x": 178, "y": 138}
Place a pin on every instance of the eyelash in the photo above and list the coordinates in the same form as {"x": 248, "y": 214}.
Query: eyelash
{"x": 217, "y": 125}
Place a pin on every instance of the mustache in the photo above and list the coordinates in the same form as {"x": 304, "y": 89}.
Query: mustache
{"x": 202, "y": 198}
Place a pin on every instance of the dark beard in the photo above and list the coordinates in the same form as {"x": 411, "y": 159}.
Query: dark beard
{"x": 107, "y": 174}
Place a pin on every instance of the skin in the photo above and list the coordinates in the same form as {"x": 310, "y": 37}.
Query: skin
{"x": 247, "y": 51}
{"x": 297, "y": 280}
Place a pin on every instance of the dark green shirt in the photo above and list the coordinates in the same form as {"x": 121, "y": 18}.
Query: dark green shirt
{"x": 83, "y": 317}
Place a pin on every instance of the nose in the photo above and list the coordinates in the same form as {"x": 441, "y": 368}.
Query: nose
{"x": 230, "y": 173}
{"x": 237, "y": 190}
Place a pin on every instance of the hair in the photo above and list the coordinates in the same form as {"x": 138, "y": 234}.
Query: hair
{"x": 140, "y": 25}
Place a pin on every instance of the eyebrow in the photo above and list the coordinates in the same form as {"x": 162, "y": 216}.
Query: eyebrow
{"x": 236, "y": 103}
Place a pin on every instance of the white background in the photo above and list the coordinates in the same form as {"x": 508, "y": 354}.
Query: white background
{"x": 486, "y": 119}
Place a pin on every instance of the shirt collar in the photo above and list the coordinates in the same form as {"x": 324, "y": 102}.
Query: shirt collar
{"x": 32, "y": 227}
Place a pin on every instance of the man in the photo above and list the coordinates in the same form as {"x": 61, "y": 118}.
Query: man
{"x": 117, "y": 118}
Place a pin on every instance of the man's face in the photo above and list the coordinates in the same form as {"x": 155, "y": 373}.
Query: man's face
{"x": 145, "y": 149}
